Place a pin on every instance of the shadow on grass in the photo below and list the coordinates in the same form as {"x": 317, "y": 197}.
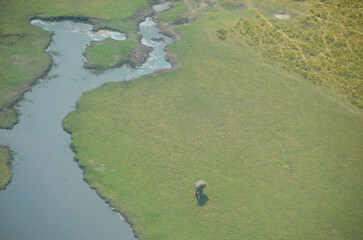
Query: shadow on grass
{"x": 202, "y": 200}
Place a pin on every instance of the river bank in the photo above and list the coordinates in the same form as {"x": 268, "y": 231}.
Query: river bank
{"x": 23, "y": 58}
{"x": 268, "y": 142}
{"x": 6, "y": 160}
{"x": 43, "y": 159}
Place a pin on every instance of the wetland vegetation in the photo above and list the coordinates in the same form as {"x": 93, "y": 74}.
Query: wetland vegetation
{"x": 22, "y": 45}
{"x": 108, "y": 53}
{"x": 323, "y": 42}
{"x": 5, "y": 166}
{"x": 282, "y": 156}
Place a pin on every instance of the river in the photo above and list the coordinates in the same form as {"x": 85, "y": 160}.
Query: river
{"x": 47, "y": 198}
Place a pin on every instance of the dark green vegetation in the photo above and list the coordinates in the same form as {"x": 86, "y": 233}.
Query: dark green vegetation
{"x": 282, "y": 157}
{"x": 8, "y": 117}
{"x": 108, "y": 53}
{"x": 22, "y": 45}
{"x": 323, "y": 42}
{"x": 5, "y": 166}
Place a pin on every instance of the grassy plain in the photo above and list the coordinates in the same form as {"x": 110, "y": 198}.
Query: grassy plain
{"x": 176, "y": 14}
{"x": 5, "y": 166}
{"x": 22, "y": 45}
{"x": 282, "y": 157}
{"x": 108, "y": 53}
{"x": 323, "y": 42}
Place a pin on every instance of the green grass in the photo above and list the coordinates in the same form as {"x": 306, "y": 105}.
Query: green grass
{"x": 108, "y": 53}
{"x": 8, "y": 117}
{"x": 322, "y": 42}
{"x": 22, "y": 45}
{"x": 175, "y": 14}
{"x": 5, "y": 166}
{"x": 281, "y": 156}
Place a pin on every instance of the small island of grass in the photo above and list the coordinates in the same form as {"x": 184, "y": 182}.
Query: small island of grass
{"x": 22, "y": 45}
{"x": 108, "y": 53}
{"x": 5, "y": 166}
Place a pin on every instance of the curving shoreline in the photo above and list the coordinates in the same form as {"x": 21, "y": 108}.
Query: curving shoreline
{"x": 71, "y": 81}
{"x": 27, "y": 75}
{"x": 122, "y": 215}
{"x": 175, "y": 64}
{"x": 6, "y": 161}
{"x": 141, "y": 57}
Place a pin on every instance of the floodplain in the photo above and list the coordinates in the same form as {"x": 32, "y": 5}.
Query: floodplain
{"x": 281, "y": 155}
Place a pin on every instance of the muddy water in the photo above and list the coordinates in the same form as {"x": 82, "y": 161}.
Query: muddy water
{"x": 47, "y": 198}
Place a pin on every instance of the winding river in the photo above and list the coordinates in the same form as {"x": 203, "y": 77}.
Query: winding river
{"x": 47, "y": 198}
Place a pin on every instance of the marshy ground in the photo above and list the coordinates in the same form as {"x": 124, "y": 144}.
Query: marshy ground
{"x": 259, "y": 107}
{"x": 281, "y": 155}
{"x": 5, "y": 166}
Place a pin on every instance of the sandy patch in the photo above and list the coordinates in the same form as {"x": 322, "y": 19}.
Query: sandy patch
{"x": 282, "y": 15}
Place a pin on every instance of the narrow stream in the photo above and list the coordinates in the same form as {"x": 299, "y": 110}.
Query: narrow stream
{"x": 47, "y": 198}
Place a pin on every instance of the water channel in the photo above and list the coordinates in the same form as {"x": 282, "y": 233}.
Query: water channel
{"x": 47, "y": 198}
